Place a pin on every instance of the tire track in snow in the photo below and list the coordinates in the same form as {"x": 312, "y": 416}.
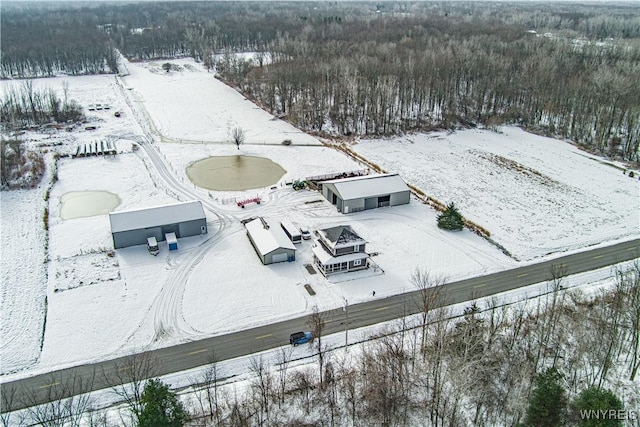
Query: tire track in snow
{"x": 165, "y": 312}
{"x": 168, "y": 318}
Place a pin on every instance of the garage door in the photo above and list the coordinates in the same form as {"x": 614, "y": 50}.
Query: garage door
{"x": 371, "y": 203}
{"x": 280, "y": 257}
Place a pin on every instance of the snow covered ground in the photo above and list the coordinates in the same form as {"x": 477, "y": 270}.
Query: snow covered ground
{"x": 192, "y": 106}
{"x": 535, "y": 195}
{"x": 105, "y": 304}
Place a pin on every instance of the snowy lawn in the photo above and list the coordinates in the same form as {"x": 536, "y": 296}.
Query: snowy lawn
{"x": 535, "y": 195}
{"x": 23, "y": 278}
{"x": 188, "y": 104}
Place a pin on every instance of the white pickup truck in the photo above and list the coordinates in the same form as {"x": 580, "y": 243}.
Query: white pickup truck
{"x": 152, "y": 246}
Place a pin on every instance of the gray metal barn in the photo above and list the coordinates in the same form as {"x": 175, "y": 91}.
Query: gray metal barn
{"x": 130, "y": 228}
{"x": 270, "y": 242}
{"x": 366, "y": 192}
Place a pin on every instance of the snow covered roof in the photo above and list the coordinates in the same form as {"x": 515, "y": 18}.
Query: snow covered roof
{"x": 340, "y": 236}
{"x": 368, "y": 186}
{"x": 157, "y": 216}
{"x": 268, "y": 239}
{"x": 326, "y": 258}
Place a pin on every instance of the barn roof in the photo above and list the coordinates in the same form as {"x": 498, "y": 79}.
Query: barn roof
{"x": 157, "y": 216}
{"x": 368, "y": 186}
{"x": 268, "y": 239}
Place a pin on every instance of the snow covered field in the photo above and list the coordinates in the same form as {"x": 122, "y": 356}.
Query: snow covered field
{"x": 193, "y": 106}
{"x": 109, "y": 304}
{"x": 535, "y": 195}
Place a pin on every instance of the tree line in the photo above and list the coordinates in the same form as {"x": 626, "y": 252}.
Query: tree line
{"x": 40, "y": 42}
{"x": 547, "y": 362}
{"x": 392, "y": 75}
{"x": 25, "y": 105}
{"x": 566, "y": 70}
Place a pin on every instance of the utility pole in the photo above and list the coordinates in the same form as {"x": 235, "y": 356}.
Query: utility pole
{"x": 345, "y": 308}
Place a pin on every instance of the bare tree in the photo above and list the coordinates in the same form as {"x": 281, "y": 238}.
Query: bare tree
{"x": 302, "y": 380}
{"x": 130, "y": 375}
{"x": 350, "y": 390}
{"x": 207, "y": 393}
{"x": 316, "y": 322}
{"x": 238, "y": 135}
{"x": 632, "y": 314}
{"x": 67, "y": 401}
{"x": 428, "y": 295}
{"x": 8, "y": 398}
{"x": 262, "y": 387}
{"x": 386, "y": 393}
{"x": 345, "y": 308}
{"x": 283, "y": 357}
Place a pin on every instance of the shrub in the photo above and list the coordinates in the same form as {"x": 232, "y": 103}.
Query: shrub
{"x": 547, "y": 403}
{"x": 451, "y": 219}
{"x": 596, "y": 399}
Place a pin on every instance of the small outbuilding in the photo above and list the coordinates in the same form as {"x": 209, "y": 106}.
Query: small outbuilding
{"x": 270, "y": 242}
{"x": 172, "y": 241}
{"x": 130, "y": 228}
{"x": 366, "y": 192}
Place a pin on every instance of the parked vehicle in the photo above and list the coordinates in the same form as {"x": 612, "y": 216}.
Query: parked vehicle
{"x": 292, "y": 232}
{"x": 300, "y": 338}
{"x": 306, "y": 234}
{"x": 152, "y": 246}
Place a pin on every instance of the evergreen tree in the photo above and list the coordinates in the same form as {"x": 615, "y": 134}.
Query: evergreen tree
{"x": 596, "y": 399}
{"x": 161, "y": 407}
{"x": 548, "y": 401}
{"x": 451, "y": 219}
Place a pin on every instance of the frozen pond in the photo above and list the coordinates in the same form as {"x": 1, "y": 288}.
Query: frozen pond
{"x": 234, "y": 173}
{"x": 78, "y": 204}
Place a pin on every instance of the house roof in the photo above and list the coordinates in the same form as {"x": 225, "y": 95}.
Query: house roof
{"x": 341, "y": 236}
{"x": 326, "y": 258}
{"x": 269, "y": 239}
{"x": 157, "y": 216}
{"x": 368, "y": 186}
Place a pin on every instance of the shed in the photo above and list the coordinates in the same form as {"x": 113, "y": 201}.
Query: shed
{"x": 130, "y": 228}
{"x": 270, "y": 242}
{"x": 172, "y": 241}
{"x": 366, "y": 192}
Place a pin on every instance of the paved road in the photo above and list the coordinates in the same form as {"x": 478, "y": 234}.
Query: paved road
{"x": 42, "y": 388}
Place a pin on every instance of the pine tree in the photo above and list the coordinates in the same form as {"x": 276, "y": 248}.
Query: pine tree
{"x": 451, "y": 219}
{"x": 161, "y": 407}
{"x": 548, "y": 401}
{"x": 596, "y": 399}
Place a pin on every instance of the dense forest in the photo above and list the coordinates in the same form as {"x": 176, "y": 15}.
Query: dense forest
{"x": 351, "y": 68}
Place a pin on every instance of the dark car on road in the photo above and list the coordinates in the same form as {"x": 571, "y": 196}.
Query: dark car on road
{"x": 299, "y": 338}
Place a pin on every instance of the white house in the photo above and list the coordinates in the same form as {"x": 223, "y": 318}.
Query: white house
{"x": 339, "y": 250}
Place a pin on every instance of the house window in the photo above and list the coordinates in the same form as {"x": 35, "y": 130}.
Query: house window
{"x": 357, "y": 262}
{"x": 356, "y": 248}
